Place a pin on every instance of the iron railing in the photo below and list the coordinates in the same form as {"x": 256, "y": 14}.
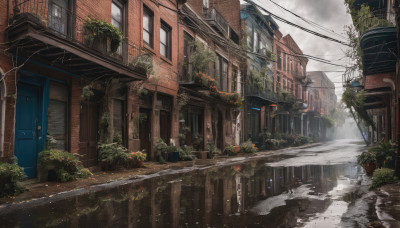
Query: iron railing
{"x": 66, "y": 24}
{"x": 212, "y": 15}
{"x": 265, "y": 94}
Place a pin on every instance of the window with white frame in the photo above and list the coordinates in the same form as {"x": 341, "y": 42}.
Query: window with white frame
{"x": 206, "y": 4}
{"x": 148, "y": 26}
{"x": 165, "y": 40}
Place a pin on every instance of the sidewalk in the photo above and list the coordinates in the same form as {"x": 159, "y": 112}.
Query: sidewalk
{"x": 388, "y": 205}
{"x": 49, "y": 189}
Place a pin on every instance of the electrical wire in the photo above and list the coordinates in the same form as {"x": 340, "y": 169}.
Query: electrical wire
{"x": 297, "y": 26}
{"x": 309, "y": 21}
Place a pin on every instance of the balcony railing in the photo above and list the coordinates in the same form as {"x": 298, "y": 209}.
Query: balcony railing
{"x": 373, "y": 19}
{"x": 47, "y": 16}
{"x": 264, "y": 94}
{"x": 216, "y": 19}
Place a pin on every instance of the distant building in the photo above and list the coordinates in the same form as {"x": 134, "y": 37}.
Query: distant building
{"x": 321, "y": 102}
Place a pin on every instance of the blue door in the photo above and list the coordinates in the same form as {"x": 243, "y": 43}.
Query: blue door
{"x": 27, "y": 127}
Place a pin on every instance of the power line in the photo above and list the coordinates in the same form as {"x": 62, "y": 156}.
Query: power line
{"x": 298, "y": 26}
{"x": 309, "y": 21}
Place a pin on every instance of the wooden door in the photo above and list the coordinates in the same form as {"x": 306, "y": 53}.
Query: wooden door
{"x": 144, "y": 130}
{"x": 165, "y": 126}
{"x": 28, "y": 121}
{"x": 89, "y": 134}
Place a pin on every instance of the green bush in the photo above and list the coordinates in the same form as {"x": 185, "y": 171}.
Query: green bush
{"x": 229, "y": 150}
{"x": 212, "y": 150}
{"x": 383, "y": 151}
{"x": 112, "y": 153}
{"x": 66, "y": 165}
{"x": 247, "y": 147}
{"x": 10, "y": 174}
{"x": 185, "y": 153}
{"x": 382, "y": 177}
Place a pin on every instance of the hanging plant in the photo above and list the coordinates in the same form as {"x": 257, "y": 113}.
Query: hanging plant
{"x": 99, "y": 29}
{"x": 87, "y": 94}
{"x": 201, "y": 57}
{"x": 144, "y": 62}
{"x": 355, "y": 103}
{"x": 141, "y": 91}
{"x": 183, "y": 99}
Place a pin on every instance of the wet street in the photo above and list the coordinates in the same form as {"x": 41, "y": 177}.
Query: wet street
{"x": 320, "y": 186}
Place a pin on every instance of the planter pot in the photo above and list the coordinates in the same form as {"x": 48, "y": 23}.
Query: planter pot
{"x": 135, "y": 164}
{"x": 236, "y": 149}
{"x": 107, "y": 166}
{"x": 369, "y": 168}
{"x": 173, "y": 156}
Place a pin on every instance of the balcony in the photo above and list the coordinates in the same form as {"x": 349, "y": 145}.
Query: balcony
{"x": 55, "y": 35}
{"x": 265, "y": 96}
{"x": 379, "y": 46}
{"x": 216, "y": 20}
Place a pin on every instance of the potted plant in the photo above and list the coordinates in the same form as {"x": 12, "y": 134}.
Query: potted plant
{"x": 102, "y": 35}
{"x": 173, "y": 154}
{"x": 162, "y": 150}
{"x": 368, "y": 160}
{"x": 136, "y": 159}
{"x": 111, "y": 155}
{"x": 56, "y": 165}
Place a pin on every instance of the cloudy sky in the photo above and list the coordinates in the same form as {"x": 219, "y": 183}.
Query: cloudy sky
{"x": 330, "y": 14}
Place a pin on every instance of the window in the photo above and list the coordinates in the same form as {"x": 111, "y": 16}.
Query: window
{"x": 234, "y": 79}
{"x": 119, "y": 114}
{"x": 147, "y": 26}
{"x": 284, "y": 62}
{"x": 165, "y": 40}
{"x": 116, "y": 16}
{"x": 57, "y": 116}
{"x": 278, "y": 79}
{"x": 187, "y": 49}
{"x": 221, "y": 73}
{"x": 257, "y": 42}
{"x": 279, "y": 61}
{"x": 116, "y": 19}
{"x": 206, "y": 4}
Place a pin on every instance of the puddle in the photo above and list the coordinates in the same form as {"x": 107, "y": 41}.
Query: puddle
{"x": 287, "y": 192}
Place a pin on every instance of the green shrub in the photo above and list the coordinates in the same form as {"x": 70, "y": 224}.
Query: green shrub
{"x": 382, "y": 177}
{"x": 383, "y": 151}
{"x": 10, "y": 174}
{"x": 66, "y": 165}
{"x": 247, "y": 147}
{"x": 185, "y": 153}
{"x": 113, "y": 153}
{"x": 212, "y": 150}
{"x": 229, "y": 150}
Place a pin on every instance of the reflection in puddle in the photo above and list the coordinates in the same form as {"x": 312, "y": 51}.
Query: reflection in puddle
{"x": 250, "y": 194}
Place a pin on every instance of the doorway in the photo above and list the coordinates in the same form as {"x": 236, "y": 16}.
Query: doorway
{"x": 28, "y": 126}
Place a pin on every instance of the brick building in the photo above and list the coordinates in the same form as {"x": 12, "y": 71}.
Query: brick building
{"x": 259, "y": 83}
{"x": 53, "y": 53}
{"x": 208, "y": 118}
{"x": 289, "y": 78}
{"x": 321, "y": 102}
